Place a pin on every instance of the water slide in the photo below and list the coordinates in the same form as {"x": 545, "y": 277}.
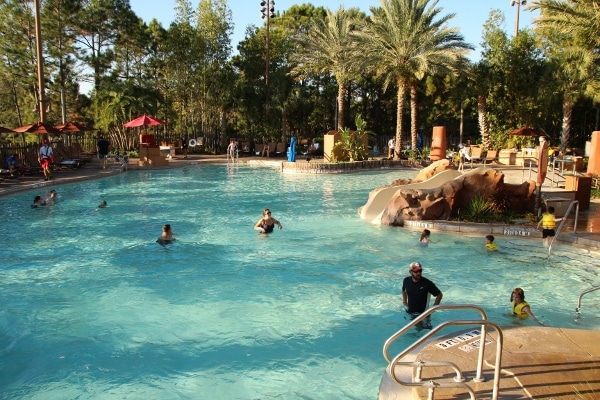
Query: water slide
{"x": 380, "y": 197}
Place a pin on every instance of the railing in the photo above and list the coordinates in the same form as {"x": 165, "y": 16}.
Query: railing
{"x": 562, "y": 223}
{"x": 458, "y": 379}
{"x": 592, "y": 289}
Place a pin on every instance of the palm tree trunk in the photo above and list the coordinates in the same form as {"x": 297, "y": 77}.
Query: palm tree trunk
{"x": 399, "y": 112}
{"x": 566, "y": 124}
{"x": 341, "y": 102}
{"x": 483, "y": 121}
{"x": 413, "y": 116}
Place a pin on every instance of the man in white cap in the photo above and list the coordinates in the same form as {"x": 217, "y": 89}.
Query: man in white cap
{"x": 416, "y": 291}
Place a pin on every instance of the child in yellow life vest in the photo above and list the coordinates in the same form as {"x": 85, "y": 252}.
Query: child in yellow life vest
{"x": 548, "y": 223}
{"x": 489, "y": 243}
{"x": 520, "y": 308}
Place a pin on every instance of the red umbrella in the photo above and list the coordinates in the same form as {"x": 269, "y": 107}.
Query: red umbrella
{"x": 142, "y": 121}
{"x": 40, "y": 128}
{"x": 74, "y": 127}
{"x": 6, "y": 130}
{"x": 526, "y": 131}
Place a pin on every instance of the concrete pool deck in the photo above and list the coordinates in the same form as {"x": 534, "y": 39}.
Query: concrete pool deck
{"x": 538, "y": 362}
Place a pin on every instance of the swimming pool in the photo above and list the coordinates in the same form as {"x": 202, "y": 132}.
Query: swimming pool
{"x": 92, "y": 307}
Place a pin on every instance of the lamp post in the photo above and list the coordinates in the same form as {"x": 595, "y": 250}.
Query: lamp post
{"x": 517, "y": 3}
{"x": 268, "y": 12}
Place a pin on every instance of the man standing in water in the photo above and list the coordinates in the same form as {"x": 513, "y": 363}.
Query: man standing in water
{"x": 415, "y": 294}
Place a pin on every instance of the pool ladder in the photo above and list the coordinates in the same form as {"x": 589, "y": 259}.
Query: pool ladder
{"x": 418, "y": 365}
{"x": 578, "y": 309}
{"x": 562, "y": 223}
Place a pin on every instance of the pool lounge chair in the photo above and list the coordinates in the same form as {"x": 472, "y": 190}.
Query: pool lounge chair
{"x": 490, "y": 156}
{"x": 63, "y": 160}
{"x": 476, "y": 152}
{"x": 280, "y": 149}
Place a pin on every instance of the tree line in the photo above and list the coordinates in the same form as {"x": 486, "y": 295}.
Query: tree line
{"x": 402, "y": 67}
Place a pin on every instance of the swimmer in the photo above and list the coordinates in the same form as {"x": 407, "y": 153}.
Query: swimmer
{"x": 267, "y": 223}
{"x": 520, "y": 308}
{"x": 489, "y": 243}
{"x": 167, "y": 235}
{"x": 38, "y": 202}
{"x": 51, "y": 198}
{"x": 425, "y": 238}
{"x": 102, "y": 204}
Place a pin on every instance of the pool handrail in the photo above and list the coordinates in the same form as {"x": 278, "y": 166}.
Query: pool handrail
{"x": 578, "y": 309}
{"x": 562, "y": 223}
{"x": 483, "y": 322}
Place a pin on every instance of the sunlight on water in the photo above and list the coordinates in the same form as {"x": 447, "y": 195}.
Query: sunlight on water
{"x": 92, "y": 307}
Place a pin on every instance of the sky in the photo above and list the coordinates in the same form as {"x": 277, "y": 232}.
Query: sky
{"x": 470, "y": 14}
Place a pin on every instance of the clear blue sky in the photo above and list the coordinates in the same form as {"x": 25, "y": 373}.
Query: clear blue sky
{"x": 470, "y": 14}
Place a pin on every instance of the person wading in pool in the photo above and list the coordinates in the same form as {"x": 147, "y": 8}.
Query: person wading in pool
{"x": 415, "y": 294}
{"x": 167, "y": 235}
{"x": 520, "y": 308}
{"x": 267, "y": 223}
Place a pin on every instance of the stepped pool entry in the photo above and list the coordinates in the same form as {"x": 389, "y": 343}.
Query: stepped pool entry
{"x": 94, "y": 308}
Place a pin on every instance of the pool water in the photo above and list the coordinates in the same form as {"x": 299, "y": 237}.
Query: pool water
{"x": 93, "y": 308}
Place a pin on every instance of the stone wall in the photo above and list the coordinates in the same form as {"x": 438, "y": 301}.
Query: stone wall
{"x": 320, "y": 167}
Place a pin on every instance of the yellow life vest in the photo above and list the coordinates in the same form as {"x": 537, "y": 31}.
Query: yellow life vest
{"x": 491, "y": 246}
{"x": 518, "y": 309}
{"x": 548, "y": 221}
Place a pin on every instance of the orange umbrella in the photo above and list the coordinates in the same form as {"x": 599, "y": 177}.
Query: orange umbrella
{"x": 40, "y": 128}
{"x": 527, "y": 131}
{"x": 142, "y": 121}
{"x": 74, "y": 127}
{"x": 6, "y": 130}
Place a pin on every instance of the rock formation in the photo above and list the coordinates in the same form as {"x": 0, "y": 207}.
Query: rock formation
{"x": 441, "y": 202}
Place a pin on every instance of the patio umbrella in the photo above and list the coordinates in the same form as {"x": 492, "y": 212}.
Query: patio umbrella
{"x": 74, "y": 127}
{"x": 6, "y": 130}
{"x": 142, "y": 121}
{"x": 526, "y": 131}
{"x": 40, "y": 128}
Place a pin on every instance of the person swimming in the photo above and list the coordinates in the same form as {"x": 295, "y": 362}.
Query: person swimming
{"x": 166, "y": 236}
{"x": 425, "y": 238}
{"x": 267, "y": 223}
{"x": 489, "y": 243}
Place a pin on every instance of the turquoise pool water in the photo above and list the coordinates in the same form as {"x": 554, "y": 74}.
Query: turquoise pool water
{"x": 93, "y": 308}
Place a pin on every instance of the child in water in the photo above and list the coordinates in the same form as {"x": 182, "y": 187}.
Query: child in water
{"x": 425, "y": 238}
{"x": 489, "y": 243}
{"x": 167, "y": 235}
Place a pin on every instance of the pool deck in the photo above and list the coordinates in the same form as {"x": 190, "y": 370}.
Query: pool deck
{"x": 538, "y": 362}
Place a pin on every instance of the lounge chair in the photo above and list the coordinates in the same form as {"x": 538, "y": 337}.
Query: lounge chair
{"x": 476, "y": 152}
{"x": 280, "y": 149}
{"x": 33, "y": 164}
{"x": 490, "y": 156}
{"x": 63, "y": 160}
{"x": 75, "y": 154}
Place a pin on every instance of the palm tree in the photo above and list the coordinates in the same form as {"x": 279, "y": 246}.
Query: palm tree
{"x": 576, "y": 18}
{"x": 403, "y": 42}
{"x": 324, "y": 50}
{"x": 574, "y": 28}
{"x": 576, "y": 73}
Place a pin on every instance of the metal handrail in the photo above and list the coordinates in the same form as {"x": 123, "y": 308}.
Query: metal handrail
{"x": 562, "y": 223}
{"x": 483, "y": 322}
{"x": 592, "y": 289}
